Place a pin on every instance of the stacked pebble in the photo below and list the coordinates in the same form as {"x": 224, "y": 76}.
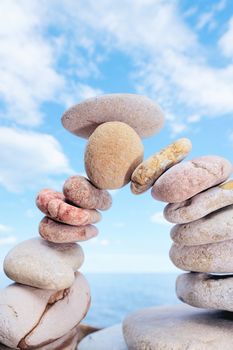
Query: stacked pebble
{"x": 45, "y": 306}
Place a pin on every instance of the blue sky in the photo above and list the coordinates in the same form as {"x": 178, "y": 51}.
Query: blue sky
{"x": 56, "y": 53}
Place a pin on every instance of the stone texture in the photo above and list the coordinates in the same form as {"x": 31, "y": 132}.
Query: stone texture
{"x": 178, "y": 328}
{"x": 200, "y": 205}
{"x": 146, "y": 173}
{"x": 81, "y": 192}
{"x": 113, "y": 152}
{"x": 215, "y": 227}
{"x": 57, "y": 232}
{"x": 53, "y": 204}
{"x": 139, "y": 112}
{"x": 106, "y": 339}
{"x": 186, "y": 179}
{"x": 32, "y": 317}
{"x": 42, "y": 264}
{"x": 211, "y": 258}
{"x": 206, "y": 291}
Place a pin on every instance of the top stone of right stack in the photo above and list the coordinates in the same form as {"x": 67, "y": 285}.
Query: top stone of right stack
{"x": 139, "y": 112}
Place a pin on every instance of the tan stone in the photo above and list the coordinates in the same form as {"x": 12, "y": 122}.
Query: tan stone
{"x": 211, "y": 258}
{"x": 139, "y": 112}
{"x": 206, "y": 291}
{"x": 113, "y": 152}
{"x": 42, "y": 264}
{"x": 200, "y": 205}
{"x": 215, "y": 227}
{"x": 149, "y": 170}
{"x": 178, "y": 328}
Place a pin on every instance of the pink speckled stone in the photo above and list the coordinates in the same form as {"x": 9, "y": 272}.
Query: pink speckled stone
{"x": 53, "y": 204}
{"x": 61, "y": 233}
{"x": 80, "y": 191}
{"x": 186, "y": 179}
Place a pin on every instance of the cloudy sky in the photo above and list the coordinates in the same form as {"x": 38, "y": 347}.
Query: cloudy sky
{"x": 56, "y": 53}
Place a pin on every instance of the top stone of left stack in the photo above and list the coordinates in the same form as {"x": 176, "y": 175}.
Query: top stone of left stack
{"x": 139, "y": 112}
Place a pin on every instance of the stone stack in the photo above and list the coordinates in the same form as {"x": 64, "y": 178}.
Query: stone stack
{"x": 44, "y": 307}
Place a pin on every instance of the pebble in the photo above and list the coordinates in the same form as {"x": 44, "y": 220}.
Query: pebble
{"x": 211, "y": 258}
{"x": 206, "y": 291}
{"x": 105, "y": 339}
{"x": 186, "y": 179}
{"x": 200, "y": 205}
{"x": 53, "y": 204}
{"x": 215, "y": 227}
{"x": 41, "y": 264}
{"x": 57, "y": 232}
{"x": 81, "y": 192}
{"x": 145, "y": 175}
{"x": 139, "y": 112}
{"x": 178, "y": 328}
{"x": 113, "y": 152}
{"x": 32, "y": 317}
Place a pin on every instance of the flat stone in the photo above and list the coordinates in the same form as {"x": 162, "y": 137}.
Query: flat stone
{"x": 31, "y": 317}
{"x": 215, "y": 227}
{"x": 53, "y": 204}
{"x": 206, "y": 291}
{"x": 139, "y": 112}
{"x": 146, "y": 173}
{"x": 105, "y": 339}
{"x": 178, "y": 328}
{"x": 186, "y": 179}
{"x": 42, "y": 264}
{"x": 200, "y": 205}
{"x": 81, "y": 192}
{"x": 57, "y": 232}
{"x": 113, "y": 152}
{"x": 211, "y": 258}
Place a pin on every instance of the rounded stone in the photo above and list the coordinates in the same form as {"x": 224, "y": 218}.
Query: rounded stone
{"x": 206, "y": 291}
{"x": 53, "y": 204}
{"x": 211, "y": 258}
{"x": 113, "y": 152}
{"x": 215, "y": 227}
{"x": 42, "y": 264}
{"x": 31, "y": 317}
{"x": 107, "y": 338}
{"x": 81, "y": 192}
{"x": 200, "y": 205}
{"x": 146, "y": 173}
{"x": 178, "y": 328}
{"x": 57, "y": 232}
{"x": 186, "y": 179}
{"x": 139, "y": 112}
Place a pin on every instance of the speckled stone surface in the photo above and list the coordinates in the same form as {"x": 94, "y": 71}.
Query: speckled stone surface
{"x": 215, "y": 227}
{"x": 53, "y": 204}
{"x": 113, "y": 152}
{"x": 206, "y": 291}
{"x": 80, "y": 191}
{"x": 139, "y": 112}
{"x": 211, "y": 258}
{"x": 57, "y": 232}
{"x": 110, "y": 338}
{"x": 149, "y": 170}
{"x": 186, "y": 179}
{"x": 200, "y": 205}
{"x": 31, "y": 317}
{"x": 178, "y": 328}
{"x": 42, "y": 264}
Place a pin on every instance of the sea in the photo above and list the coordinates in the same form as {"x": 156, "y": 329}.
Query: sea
{"x": 116, "y": 295}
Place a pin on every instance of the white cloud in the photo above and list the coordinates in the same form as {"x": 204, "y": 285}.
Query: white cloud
{"x": 5, "y": 228}
{"x": 29, "y": 158}
{"x": 158, "y": 218}
{"x": 226, "y": 41}
{"x": 208, "y": 19}
{"x": 8, "y": 240}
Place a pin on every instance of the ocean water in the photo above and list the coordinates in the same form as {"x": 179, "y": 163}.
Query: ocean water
{"x": 116, "y": 295}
